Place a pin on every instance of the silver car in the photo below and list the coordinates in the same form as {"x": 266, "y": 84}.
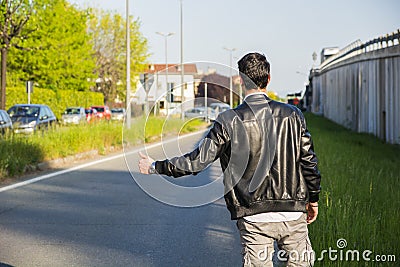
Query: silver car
{"x": 219, "y": 107}
{"x": 73, "y": 115}
{"x": 5, "y": 122}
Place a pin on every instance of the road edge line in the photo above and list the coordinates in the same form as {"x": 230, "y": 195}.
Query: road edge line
{"x": 57, "y": 173}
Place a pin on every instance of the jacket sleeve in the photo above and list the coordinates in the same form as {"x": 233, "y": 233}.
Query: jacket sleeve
{"x": 309, "y": 163}
{"x": 209, "y": 150}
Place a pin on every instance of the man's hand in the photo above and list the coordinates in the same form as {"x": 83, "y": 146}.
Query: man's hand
{"x": 312, "y": 212}
{"x": 145, "y": 163}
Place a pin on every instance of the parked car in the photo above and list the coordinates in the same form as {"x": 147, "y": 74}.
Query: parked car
{"x": 200, "y": 112}
{"x": 28, "y": 118}
{"x": 103, "y": 112}
{"x": 73, "y": 115}
{"x": 118, "y": 114}
{"x": 5, "y": 122}
{"x": 91, "y": 114}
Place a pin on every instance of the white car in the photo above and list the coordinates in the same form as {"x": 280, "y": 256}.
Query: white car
{"x": 118, "y": 114}
{"x": 73, "y": 115}
{"x": 200, "y": 112}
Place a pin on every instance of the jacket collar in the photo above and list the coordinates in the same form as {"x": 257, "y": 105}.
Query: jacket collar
{"x": 256, "y": 96}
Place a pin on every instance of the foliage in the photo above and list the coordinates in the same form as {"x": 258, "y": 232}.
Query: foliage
{"x": 57, "y": 101}
{"x": 16, "y": 154}
{"x": 273, "y": 96}
{"x": 58, "y": 53}
{"x": 63, "y": 47}
{"x": 13, "y": 17}
{"x": 108, "y": 32}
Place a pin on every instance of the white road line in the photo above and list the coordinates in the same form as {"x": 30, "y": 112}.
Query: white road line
{"x": 50, "y": 175}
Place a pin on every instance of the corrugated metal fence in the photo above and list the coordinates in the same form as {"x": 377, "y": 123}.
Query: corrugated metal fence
{"x": 360, "y": 87}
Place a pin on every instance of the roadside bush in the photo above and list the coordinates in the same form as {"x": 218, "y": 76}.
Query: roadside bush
{"x": 56, "y": 100}
{"x": 16, "y": 154}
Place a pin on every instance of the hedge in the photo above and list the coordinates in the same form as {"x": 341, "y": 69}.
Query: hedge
{"x": 56, "y": 100}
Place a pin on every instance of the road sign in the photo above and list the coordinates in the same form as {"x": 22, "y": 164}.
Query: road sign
{"x": 29, "y": 87}
{"x": 146, "y": 79}
{"x": 29, "y": 90}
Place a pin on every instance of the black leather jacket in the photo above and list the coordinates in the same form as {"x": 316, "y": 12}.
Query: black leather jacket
{"x": 266, "y": 154}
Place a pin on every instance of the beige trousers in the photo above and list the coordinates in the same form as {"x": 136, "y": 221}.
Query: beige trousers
{"x": 276, "y": 243}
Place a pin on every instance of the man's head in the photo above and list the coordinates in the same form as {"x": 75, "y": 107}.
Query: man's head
{"x": 254, "y": 70}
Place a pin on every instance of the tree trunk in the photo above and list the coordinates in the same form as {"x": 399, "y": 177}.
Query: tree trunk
{"x": 3, "y": 77}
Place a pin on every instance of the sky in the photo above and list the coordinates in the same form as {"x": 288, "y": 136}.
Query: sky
{"x": 287, "y": 32}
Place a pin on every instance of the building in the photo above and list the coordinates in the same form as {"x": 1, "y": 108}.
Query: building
{"x": 160, "y": 97}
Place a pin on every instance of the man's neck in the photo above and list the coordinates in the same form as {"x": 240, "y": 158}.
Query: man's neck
{"x": 251, "y": 91}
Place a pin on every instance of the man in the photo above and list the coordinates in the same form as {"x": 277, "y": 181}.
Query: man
{"x": 271, "y": 178}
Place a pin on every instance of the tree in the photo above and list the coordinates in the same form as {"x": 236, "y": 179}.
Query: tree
{"x": 108, "y": 30}
{"x": 14, "y": 16}
{"x": 273, "y": 95}
{"x": 59, "y": 54}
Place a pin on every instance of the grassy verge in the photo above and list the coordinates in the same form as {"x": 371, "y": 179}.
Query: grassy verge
{"x": 18, "y": 151}
{"x": 360, "y": 198}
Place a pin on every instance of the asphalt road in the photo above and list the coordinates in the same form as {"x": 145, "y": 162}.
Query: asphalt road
{"x": 98, "y": 215}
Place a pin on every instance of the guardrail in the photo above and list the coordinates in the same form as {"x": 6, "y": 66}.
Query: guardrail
{"x": 357, "y": 47}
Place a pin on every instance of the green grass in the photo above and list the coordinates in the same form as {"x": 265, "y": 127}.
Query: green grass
{"x": 158, "y": 126}
{"x": 360, "y": 196}
{"x": 19, "y": 151}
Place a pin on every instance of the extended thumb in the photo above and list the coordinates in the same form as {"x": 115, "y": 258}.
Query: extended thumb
{"x": 143, "y": 156}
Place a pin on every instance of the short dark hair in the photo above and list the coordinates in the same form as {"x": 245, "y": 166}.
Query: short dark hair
{"x": 254, "y": 69}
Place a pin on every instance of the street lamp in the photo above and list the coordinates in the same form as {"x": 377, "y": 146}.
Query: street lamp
{"x": 230, "y": 75}
{"x": 166, "y": 35}
{"x": 240, "y": 87}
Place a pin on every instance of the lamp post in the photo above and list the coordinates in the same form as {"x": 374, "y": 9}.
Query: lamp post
{"x": 128, "y": 69}
{"x": 230, "y": 75}
{"x": 240, "y": 87}
{"x": 166, "y": 35}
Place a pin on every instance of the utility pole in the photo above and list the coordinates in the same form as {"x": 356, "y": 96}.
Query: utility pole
{"x": 230, "y": 76}
{"x": 166, "y": 35}
{"x": 128, "y": 69}
{"x": 205, "y": 101}
{"x": 29, "y": 90}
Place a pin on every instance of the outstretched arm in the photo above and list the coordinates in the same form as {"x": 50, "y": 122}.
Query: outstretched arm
{"x": 209, "y": 150}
